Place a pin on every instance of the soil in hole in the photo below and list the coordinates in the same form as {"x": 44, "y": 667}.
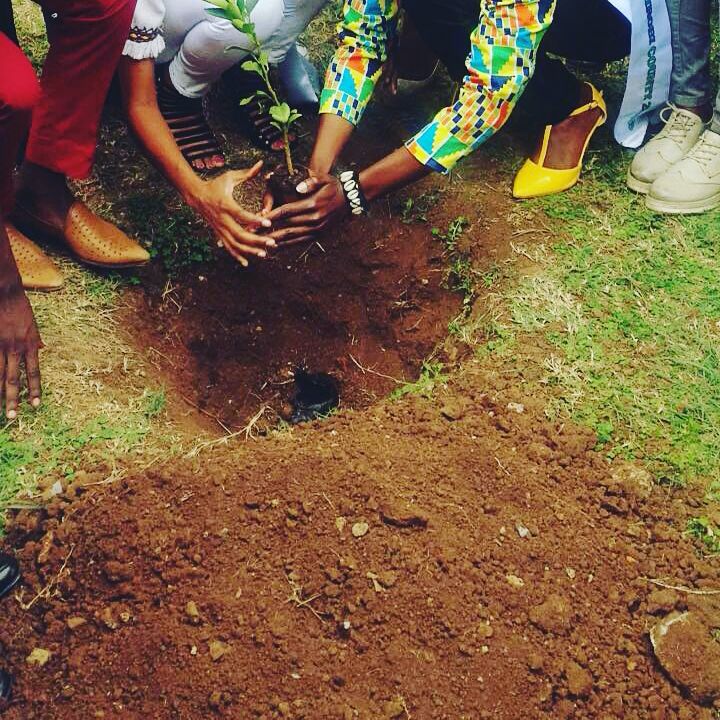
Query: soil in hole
{"x": 366, "y": 304}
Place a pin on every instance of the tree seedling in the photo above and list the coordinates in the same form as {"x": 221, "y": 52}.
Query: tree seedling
{"x": 237, "y": 12}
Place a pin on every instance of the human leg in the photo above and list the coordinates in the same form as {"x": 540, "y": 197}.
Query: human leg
{"x": 677, "y": 175}
{"x": 298, "y": 78}
{"x": 569, "y": 109}
{"x": 86, "y": 39}
{"x": 19, "y": 93}
{"x": 212, "y": 45}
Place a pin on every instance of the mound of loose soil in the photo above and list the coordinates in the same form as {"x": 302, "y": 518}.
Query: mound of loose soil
{"x": 455, "y": 557}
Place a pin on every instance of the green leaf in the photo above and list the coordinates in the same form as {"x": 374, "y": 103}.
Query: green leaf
{"x": 252, "y": 66}
{"x": 216, "y": 12}
{"x": 280, "y": 113}
{"x": 237, "y": 9}
{"x": 245, "y": 27}
{"x": 246, "y": 101}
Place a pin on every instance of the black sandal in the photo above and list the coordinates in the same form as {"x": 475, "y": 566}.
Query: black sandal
{"x": 253, "y": 116}
{"x": 189, "y": 126}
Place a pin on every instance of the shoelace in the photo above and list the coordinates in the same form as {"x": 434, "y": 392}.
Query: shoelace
{"x": 677, "y": 124}
{"x": 703, "y": 152}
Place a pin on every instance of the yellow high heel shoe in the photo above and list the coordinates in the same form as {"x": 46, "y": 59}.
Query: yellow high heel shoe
{"x": 535, "y": 180}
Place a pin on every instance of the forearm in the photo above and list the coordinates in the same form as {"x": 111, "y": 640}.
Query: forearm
{"x": 157, "y": 141}
{"x": 394, "y": 171}
{"x": 333, "y": 134}
{"x": 137, "y": 78}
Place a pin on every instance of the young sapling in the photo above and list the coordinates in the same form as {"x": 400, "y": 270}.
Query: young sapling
{"x": 237, "y": 12}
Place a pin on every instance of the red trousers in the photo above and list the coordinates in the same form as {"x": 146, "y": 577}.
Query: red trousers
{"x": 19, "y": 92}
{"x": 86, "y": 41}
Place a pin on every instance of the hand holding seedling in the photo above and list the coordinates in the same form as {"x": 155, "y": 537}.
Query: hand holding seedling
{"x": 234, "y": 226}
{"x": 325, "y": 204}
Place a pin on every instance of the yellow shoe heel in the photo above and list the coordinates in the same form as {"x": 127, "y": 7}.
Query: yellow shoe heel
{"x": 535, "y": 180}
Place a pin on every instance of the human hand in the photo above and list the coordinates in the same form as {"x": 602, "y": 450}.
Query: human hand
{"x": 304, "y": 219}
{"x": 19, "y": 343}
{"x": 234, "y": 227}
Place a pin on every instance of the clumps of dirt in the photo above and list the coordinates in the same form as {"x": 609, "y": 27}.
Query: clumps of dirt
{"x": 392, "y": 563}
{"x": 365, "y": 304}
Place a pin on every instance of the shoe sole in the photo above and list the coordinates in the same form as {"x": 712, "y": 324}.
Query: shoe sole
{"x": 697, "y": 207}
{"x": 638, "y": 186}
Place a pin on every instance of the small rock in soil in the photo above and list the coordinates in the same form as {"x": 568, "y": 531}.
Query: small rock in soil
{"x": 515, "y": 581}
{"x": 630, "y": 479}
{"x": 394, "y": 709}
{"x": 108, "y": 619}
{"x": 360, "y": 529}
{"x": 191, "y": 610}
{"x": 690, "y": 655}
{"x": 75, "y": 622}
{"x": 535, "y": 662}
{"x": 218, "y": 649}
{"x": 454, "y": 409}
{"x": 554, "y": 615}
{"x": 117, "y": 572}
{"x": 39, "y": 656}
{"x": 580, "y": 681}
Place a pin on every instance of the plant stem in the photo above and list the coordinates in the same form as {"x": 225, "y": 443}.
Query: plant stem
{"x": 288, "y": 154}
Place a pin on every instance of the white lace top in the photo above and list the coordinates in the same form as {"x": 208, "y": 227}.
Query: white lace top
{"x": 146, "y": 39}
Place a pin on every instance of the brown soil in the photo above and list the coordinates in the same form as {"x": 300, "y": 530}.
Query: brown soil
{"x": 366, "y": 305}
{"x": 455, "y": 557}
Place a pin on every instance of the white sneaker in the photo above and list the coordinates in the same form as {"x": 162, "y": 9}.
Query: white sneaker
{"x": 693, "y": 184}
{"x": 682, "y": 130}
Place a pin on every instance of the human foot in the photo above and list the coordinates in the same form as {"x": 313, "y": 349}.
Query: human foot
{"x": 189, "y": 126}
{"x": 44, "y": 194}
{"x": 567, "y": 139}
{"x": 556, "y": 162}
{"x": 45, "y": 208}
{"x": 691, "y": 185}
{"x": 37, "y": 270}
{"x": 683, "y": 127}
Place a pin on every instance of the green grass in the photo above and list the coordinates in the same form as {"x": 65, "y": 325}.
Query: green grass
{"x": 628, "y": 309}
{"x": 432, "y": 375}
{"x": 706, "y": 533}
{"x": 54, "y": 447}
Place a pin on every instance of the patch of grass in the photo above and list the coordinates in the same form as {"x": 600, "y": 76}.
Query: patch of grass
{"x": 416, "y": 208}
{"x": 451, "y": 236}
{"x": 707, "y": 534}
{"x": 628, "y": 307}
{"x": 432, "y": 374}
{"x": 177, "y": 238}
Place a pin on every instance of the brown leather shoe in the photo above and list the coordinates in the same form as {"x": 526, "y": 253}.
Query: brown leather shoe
{"x": 92, "y": 239}
{"x": 37, "y": 270}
